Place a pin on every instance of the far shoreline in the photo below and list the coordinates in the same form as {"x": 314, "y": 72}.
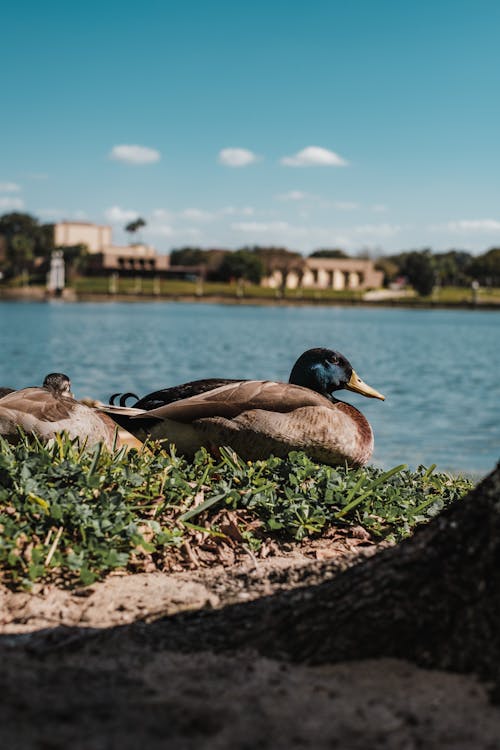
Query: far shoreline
{"x": 39, "y": 294}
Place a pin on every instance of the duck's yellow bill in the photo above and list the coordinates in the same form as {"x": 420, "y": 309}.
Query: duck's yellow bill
{"x": 358, "y": 386}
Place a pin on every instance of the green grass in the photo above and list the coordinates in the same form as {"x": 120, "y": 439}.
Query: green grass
{"x": 180, "y": 288}
{"x": 72, "y": 516}
{"x": 463, "y": 295}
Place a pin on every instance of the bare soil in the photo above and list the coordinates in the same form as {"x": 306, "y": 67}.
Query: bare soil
{"x": 85, "y": 669}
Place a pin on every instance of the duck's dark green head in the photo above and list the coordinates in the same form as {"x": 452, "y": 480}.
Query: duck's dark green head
{"x": 326, "y": 371}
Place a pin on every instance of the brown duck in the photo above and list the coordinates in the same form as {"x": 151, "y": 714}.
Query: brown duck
{"x": 51, "y": 409}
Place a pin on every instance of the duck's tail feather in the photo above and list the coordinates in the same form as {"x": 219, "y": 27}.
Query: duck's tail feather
{"x": 123, "y": 398}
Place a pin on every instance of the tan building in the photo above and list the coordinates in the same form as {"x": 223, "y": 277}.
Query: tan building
{"x": 105, "y": 256}
{"x": 328, "y": 273}
{"x": 94, "y": 236}
{"x": 137, "y": 258}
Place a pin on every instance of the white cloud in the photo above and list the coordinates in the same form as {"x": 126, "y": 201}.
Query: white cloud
{"x": 314, "y": 156}
{"x": 260, "y": 227}
{"x": 167, "y": 230}
{"x": 196, "y": 214}
{"x": 471, "y": 225}
{"x": 303, "y": 237}
{"x": 9, "y": 187}
{"x": 379, "y": 208}
{"x": 13, "y": 204}
{"x": 161, "y": 214}
{"x": 235, "y": 211}
{"x": 130, "y": 154}
{"x": 50, "y": 213}
{"x": 346, "y": 205}
{"x": 58, "y": 213}
{"x": 236, "y": 157}
{"x": 293, "y": 195}
{"x": 190, "y": 232}
{"x": 117, "y": 215}
{"x": 159, "y": 230}
{"x": 378, "y": 230}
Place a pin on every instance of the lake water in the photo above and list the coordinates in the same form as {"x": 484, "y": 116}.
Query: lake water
{"x": 439, "y": 369}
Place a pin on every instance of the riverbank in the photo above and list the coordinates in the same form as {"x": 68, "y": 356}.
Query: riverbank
{"x": 318, "y": 299}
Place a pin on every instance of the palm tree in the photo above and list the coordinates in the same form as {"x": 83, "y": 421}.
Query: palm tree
{"x": 134, "y": 227}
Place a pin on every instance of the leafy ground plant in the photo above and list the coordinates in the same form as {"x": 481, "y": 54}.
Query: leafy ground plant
{"x": 72, "y": 516}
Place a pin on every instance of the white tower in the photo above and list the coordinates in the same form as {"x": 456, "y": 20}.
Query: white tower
{"x": 55, "y": 276}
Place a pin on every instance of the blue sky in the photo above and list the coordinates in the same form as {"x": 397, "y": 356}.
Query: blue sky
{"x": 370, "y": 124}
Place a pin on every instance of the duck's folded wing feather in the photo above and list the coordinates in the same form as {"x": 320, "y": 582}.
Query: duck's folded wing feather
{"x": 164, "y": 396}
{"x": 39, "y": 403}
{"x": 231, "y": 400}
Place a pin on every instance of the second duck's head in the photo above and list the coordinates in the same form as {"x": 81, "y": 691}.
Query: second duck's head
{"x": 325, "y": 371}
{"x": 58, "y": 383}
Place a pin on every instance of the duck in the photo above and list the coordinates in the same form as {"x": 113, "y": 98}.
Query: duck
{"x": 259, "y": 418}
{"x": 50, "y": 409}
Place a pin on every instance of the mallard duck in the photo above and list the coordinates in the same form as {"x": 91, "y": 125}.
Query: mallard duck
{"x": 258, "y": 418}
{"x": 51, "y": 409}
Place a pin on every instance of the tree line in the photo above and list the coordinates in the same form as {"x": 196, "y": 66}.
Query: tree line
{"x": 26, "y": 245}
{"x": 422, "y": 269}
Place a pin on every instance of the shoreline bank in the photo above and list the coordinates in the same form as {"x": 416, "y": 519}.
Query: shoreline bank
{"x": 39, "y": 294}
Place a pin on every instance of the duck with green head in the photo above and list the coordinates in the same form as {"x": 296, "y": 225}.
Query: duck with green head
{"x": 259, "y": 418}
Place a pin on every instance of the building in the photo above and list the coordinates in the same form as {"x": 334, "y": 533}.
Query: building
{"x": 104, "y": 256}
{"x": 327, "y": 273}
{"x": 70, "y": 233}
{"x": 294, "y": 272}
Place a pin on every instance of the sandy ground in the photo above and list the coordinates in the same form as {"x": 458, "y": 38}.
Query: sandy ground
{"x": 77, "y": 673}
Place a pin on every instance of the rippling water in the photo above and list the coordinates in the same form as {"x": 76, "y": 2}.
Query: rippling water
{"x": 439, "y": 369}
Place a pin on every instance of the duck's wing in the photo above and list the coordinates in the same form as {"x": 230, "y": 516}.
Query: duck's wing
{"x": 165, "y": 396}
{"x": 39, "y": 403}
{"x": 227, "y": 401}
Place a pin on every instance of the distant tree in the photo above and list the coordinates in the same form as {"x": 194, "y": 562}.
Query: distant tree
{"x": 452, "y": 268}
{"x": 389, "y": 268}
{"x": 76, "y": 258}
{"x": 420, "y": 269}
{"x": 23, "y": 240}
{"x": 241, "y": 264}
{"x": 364, "y": 254}
{"x": 194, "y": 256}
{"x": 188, "y": 256}
{"x": 21, "y": 253}
{"x": 133, "y": 227}
{"x": 486, "y": 268}
{"x": 329, "y": 253}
